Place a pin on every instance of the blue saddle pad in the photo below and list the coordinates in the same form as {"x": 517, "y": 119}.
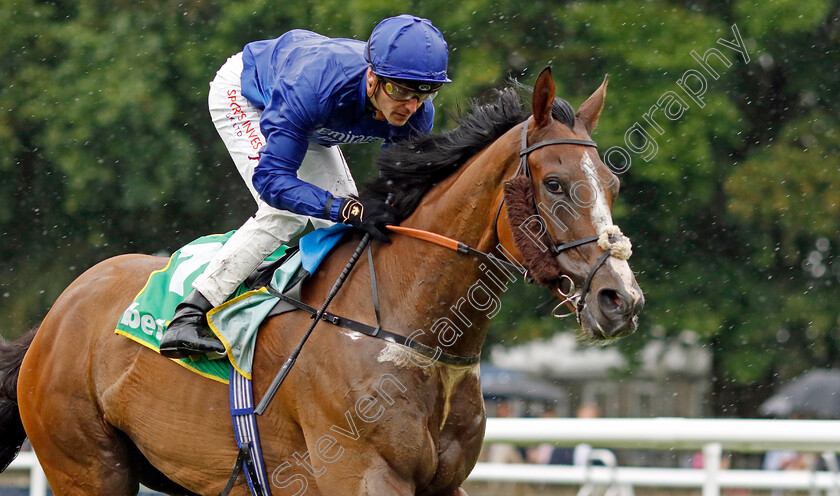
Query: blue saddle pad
{"x": 315, "y": 246}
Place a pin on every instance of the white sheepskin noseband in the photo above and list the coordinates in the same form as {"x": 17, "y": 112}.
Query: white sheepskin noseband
{"x": 621, "y": 248}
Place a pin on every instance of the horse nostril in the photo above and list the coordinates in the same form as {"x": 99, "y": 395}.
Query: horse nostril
{"x": 611, "y": 302}
{"x": 639, "y": 304}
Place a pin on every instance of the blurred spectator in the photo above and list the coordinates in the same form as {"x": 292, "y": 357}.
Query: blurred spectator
{"x": 544, "y": 453}
{"x": 504, "y": 452}
{"x": 789, "y": 460}
{"x": 581, "y": 452}
{"x": 697, "y": 462}
{"x": 552, "y": 455}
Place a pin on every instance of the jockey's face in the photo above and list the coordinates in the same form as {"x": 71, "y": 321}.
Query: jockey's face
{"x": 395, "y": 112}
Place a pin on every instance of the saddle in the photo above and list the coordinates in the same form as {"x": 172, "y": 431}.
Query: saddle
{"x": 289, "y": 295}
{"x": 236, "y": 321}
{"x": 262, "y": 275}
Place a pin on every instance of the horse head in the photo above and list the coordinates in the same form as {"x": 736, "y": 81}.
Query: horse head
{"x": 559, "y": 208}
{"x": 556, "y": 194}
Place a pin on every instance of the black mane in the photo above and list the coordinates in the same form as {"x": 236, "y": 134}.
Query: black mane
{"x": 412, "y": 168}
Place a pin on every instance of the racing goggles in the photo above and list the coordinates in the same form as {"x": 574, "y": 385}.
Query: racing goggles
{"x": 401, "y": 92}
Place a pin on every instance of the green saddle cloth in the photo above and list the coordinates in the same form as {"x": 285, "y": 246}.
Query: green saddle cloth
{"x": 235, "y": 322}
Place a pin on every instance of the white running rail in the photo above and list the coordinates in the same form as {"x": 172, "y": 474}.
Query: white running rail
{"x": 37, "y": 480}
{"x": 712, "y": 436}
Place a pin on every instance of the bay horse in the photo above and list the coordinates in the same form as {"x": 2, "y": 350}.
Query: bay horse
{"x": 357, "y": 415}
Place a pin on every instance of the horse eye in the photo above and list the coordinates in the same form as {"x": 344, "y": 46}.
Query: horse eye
{"x": 553, "y": 185}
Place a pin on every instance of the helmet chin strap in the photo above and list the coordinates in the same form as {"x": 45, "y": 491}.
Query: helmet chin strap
{"x": 371, "y": 98}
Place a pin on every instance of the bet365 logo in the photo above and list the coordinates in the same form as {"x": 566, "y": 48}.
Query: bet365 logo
{"x": 146, "y": 322}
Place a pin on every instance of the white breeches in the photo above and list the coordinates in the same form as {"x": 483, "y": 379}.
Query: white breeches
{"x": 238, "y": 123}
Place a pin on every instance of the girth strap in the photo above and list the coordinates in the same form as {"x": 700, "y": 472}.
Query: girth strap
{"x": 427, "y": 351}
{"x": 246, "y": 460}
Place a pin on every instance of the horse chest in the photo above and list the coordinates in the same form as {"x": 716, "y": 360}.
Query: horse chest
{"x": 450, "y": 393}
{"x": 452, "y": 380}
{"x": 456, "y": 422}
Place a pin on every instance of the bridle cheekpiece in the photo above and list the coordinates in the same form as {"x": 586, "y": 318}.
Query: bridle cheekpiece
{"x": 609, "y": 238}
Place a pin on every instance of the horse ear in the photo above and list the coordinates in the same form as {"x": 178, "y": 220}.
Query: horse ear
{"x": 591, "y": 108}
{"x": 543, "y": 98}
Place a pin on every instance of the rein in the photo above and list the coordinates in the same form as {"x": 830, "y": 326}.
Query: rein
{"x": 451, "y": 244}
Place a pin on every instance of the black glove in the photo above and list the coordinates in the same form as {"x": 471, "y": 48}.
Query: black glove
{"x": 370, "y": 216}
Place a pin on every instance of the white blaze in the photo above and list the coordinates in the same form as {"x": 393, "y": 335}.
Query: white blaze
{"x": 601, "y": 218}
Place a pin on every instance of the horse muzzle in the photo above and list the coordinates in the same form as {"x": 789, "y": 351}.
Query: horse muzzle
{"x": 611, "y": 311}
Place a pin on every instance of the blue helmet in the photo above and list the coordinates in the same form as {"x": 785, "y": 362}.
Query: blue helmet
{"x": 408, "y": 48}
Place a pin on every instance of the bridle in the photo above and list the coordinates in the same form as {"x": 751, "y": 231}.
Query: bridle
{"x": 571, "y": 298}
{"x": 606, "y": 239}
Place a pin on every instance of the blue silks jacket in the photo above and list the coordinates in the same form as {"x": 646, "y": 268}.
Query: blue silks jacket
{"x": 311, "y": 89}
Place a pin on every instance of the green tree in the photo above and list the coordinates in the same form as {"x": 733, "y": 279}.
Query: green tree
{"x": 108, "y": 148}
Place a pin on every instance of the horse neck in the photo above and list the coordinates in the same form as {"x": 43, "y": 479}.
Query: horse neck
{"x": 447, "y": 295}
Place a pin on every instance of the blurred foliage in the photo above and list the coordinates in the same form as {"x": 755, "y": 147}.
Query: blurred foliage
{"x": 107, "y": 148}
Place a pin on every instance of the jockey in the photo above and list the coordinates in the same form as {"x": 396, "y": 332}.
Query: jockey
{"x": 281, "y": 106}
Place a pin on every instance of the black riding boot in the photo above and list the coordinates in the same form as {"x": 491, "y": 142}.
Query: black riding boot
{"x": 188, "y": 333}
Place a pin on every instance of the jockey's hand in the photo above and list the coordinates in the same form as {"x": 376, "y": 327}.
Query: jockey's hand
{"x": 370, "y": 216}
